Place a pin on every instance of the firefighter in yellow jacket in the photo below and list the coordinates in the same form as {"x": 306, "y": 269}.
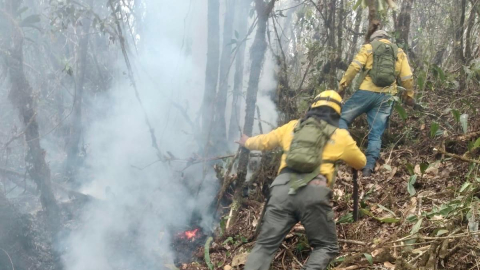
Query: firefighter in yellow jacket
{"x": 310, "y": 204}
{"x": 373, "y": 99}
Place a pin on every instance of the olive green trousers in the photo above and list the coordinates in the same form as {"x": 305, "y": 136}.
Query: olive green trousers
{"x": 311, "y": 206}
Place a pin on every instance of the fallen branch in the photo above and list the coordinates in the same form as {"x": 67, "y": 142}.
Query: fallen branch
{"x": 292, "y": 255}
{"x": 468, "y": 136}
{"x": 456, "y": 156}
{"x": 301, "y": 229}
{"x": 437, "y": 237}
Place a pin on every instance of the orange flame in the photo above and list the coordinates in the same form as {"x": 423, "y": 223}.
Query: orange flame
{"x": 190, "y": 234}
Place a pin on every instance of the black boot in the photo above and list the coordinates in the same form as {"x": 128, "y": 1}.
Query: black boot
{"x": 366, "y": 172}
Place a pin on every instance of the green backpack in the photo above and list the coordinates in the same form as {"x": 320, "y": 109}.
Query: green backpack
{"x": 309, "y": 138}
{"x": 384, "y": 58}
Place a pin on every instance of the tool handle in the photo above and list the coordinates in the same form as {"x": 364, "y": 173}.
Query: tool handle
{"x": 355, "y": 194}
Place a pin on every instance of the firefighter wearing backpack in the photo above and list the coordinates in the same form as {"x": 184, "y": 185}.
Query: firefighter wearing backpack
{"x": 382, "y": 64}
{"x": 302, "y": 190}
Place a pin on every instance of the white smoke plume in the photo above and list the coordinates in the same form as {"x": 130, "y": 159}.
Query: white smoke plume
{"x": 139, "y": 203}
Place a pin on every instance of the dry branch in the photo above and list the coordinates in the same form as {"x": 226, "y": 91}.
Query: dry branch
{"x": 439, "y": 149}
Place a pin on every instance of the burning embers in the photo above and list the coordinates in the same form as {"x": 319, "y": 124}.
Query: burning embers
{"x": 189, "y": 235}
{"x": 186, "y": 243}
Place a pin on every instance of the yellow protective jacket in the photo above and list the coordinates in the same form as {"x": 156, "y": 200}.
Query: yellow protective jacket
{"x": 364, "y": 59}
{"x": 340, "y": 147}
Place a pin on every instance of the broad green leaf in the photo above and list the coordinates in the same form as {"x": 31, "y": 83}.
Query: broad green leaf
{"x": 465, "y": 186}
{"x": 441, "y": 232}
{"x": 410, "y": 188}
{"x": 401, "y": 111}
{"x": 387, "y": 167}
{"x": 433, "y": 129}
{"x": 417, "y": 226}
{"x": 369, "y": 258}
{"x": 423, "y": 167}
{"x": 412, "y": 218}
{"x": 32, "y": 19}
{"x": 476, "y": 144}
{"x": 413, "y": 179}
{"x": 348, "y": 218}
{"x": 464, "y": 122}
{"x": 206, "y": 254}
{"x": 410, "y": 169}
{"x": 386, "y": 209}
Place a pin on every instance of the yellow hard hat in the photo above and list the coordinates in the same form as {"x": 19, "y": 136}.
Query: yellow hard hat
{"x": 328, "y": 98}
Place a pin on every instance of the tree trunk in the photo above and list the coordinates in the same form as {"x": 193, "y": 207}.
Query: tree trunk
{"x": 242, "y": 27}
{"x": 257, "y": 55}
{"x": 211, "y": 72}
{"x": 219, "y": 131}
{"x": 21, "y": 94}
{"x": 458, "y": 45}
{"x": 468, "y": 38}
{"x": 75, "y": 133}
{"x": 358, "y": 22}
{"x": 332, "y": 82}
{"x": 403, "y": 24}
{"x": 373, "y": 19}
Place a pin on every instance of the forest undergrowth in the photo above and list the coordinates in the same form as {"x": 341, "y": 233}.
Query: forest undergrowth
{"x": 418, "y": 211}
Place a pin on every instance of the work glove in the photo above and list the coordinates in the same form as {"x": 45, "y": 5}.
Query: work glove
{"x": 341, "y": 89}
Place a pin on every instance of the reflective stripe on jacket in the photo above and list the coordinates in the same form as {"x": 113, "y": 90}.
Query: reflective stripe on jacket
{"x": 364, "y": 59}
{"x": 340, "y": 147}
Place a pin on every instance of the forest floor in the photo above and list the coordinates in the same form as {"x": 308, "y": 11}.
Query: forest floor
{"x": 418, "y": 211}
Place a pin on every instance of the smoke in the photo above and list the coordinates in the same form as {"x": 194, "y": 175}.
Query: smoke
{"x": 139, "y": 202}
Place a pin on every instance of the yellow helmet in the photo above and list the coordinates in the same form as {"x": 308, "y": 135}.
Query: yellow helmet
{"x": 328, "y": 98}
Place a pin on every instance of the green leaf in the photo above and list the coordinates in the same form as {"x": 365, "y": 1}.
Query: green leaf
{"x": 410, "y": 169}
{"x": 417, "y": 226}
{"x": 401, "y": 111}
{"x": 464, "y": 122}
{"x": 348, "y": 218}
{"x": 206, "y": 254}
{"x": 456, "y": 115}
{"x": 410, "y": 188}
{"x": 386, "y": 209}
{"x": 387, "y": 167}
{"x": 433, "y": 129}
{"x": 476, "y": 144}
{"x": 441, "y": 232}
{"x": 369, "y": 258}
{"x": 465, "y": 186}
{"x": 423, "y": 167}
{"x": 32, "y": 19}
{"x": 228, "y": 240}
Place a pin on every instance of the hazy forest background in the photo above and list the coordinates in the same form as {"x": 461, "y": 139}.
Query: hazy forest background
{"x": 118, "y": 119}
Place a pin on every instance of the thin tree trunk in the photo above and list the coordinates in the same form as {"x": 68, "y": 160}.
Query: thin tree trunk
{"x": 21, "y": 95}
{"x": 242, "y": 27}
{"x": 373, "y": 19}
{"x": 468, "y": 38}
{"x": 219, "y": 131}
{"x": 257, "y": 55}
{"x": 332, "y": 83}
{"x": 211, "y": 72}
{"x": 458, "y": 45}
{"x": 358, "y": 22}
{"x": 75, "y": 134}
{"x": 403, "y": 27}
